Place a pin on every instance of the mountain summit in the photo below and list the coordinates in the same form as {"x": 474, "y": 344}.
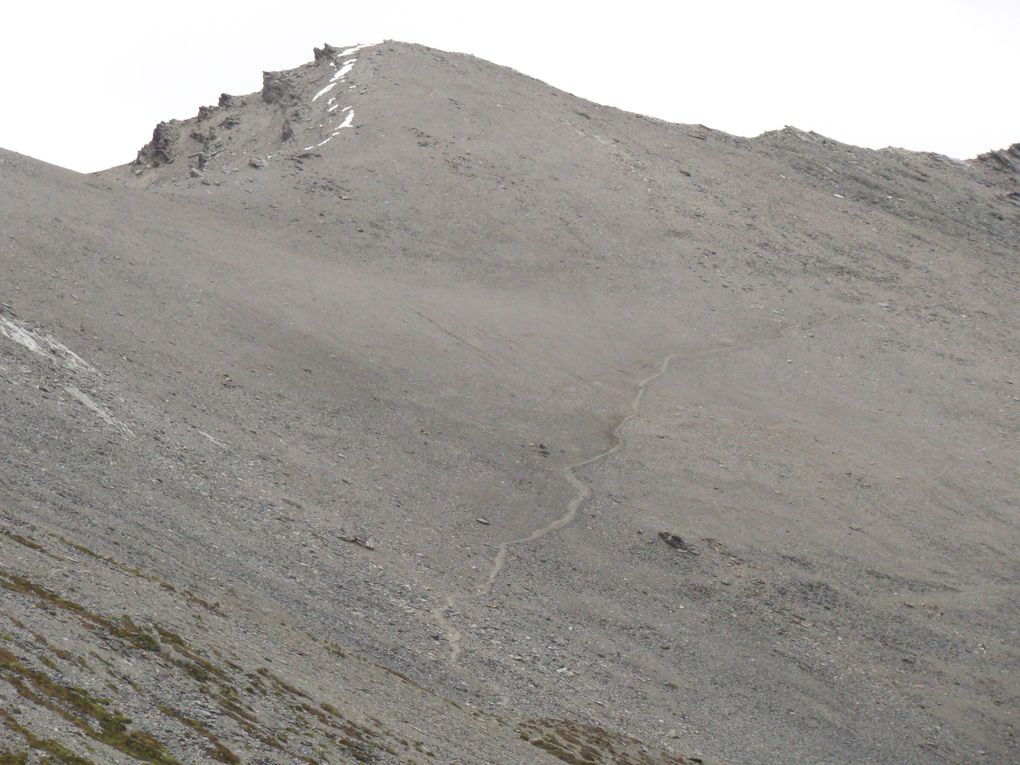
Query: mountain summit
{"x": 413, "y": 410}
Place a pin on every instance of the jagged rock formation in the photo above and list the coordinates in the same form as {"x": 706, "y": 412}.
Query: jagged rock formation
{"x": 162, "y": 149}
{"x": 1004, "y": 167}
{"x": 237, "y": 125}
{"x": 1005, "y": 161}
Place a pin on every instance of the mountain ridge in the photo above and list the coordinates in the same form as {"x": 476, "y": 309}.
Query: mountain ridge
{"x": 278, "y": 86}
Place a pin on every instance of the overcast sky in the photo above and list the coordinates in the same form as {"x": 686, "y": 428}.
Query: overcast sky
{"x": 84, "y": 83}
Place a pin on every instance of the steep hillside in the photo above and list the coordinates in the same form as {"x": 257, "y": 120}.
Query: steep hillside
{"x": 412, "y": 406}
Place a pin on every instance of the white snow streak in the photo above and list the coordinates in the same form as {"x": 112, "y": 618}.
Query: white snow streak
{"x": 348, "y": 122}
{"x": 344, "y": 70}
{"x": 356, "y": 48}
{"x": 324, "y": 91}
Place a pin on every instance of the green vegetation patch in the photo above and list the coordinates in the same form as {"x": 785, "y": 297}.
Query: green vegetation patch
{"x": 218, "y": 751}
{"x": 581, "y": 744}
{"x": 78, "y": 706}
{"x": 56, "y": 751}
{"x": 123, "y": 628}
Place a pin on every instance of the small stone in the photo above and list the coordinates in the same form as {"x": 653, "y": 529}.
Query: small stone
{"x": 676, "y": 542}
{"x": 257, "y": 162}
{"x": 483, "y": 521}
{"x": 367, "y": 542}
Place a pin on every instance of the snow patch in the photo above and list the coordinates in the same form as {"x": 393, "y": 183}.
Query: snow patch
{"x": 344, "y": 70}
{"x": 324, "y": 91}
{"x": 348, "y": 122}
{"x": 356, "y": 48}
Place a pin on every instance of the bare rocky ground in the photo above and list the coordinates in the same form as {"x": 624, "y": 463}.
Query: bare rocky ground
{"x": 412, "y": 410}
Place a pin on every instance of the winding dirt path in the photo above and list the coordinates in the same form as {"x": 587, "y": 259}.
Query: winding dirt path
{"x": 442, "y": 615}
{"x": 582, "y": 490}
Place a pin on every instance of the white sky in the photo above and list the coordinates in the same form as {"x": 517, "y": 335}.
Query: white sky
{"x": 84, "y": 83}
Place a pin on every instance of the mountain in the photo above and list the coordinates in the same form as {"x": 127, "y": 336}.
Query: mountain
{"x": 412, "y": 410}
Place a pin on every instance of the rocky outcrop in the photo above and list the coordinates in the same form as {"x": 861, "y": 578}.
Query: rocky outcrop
{"x": 161, "y": 149}
{"x": 277, "y": 88}
{"x": 326, "y": 53}
{"x": 1003, "y": 169}
{"x": 1004, "y": 160}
